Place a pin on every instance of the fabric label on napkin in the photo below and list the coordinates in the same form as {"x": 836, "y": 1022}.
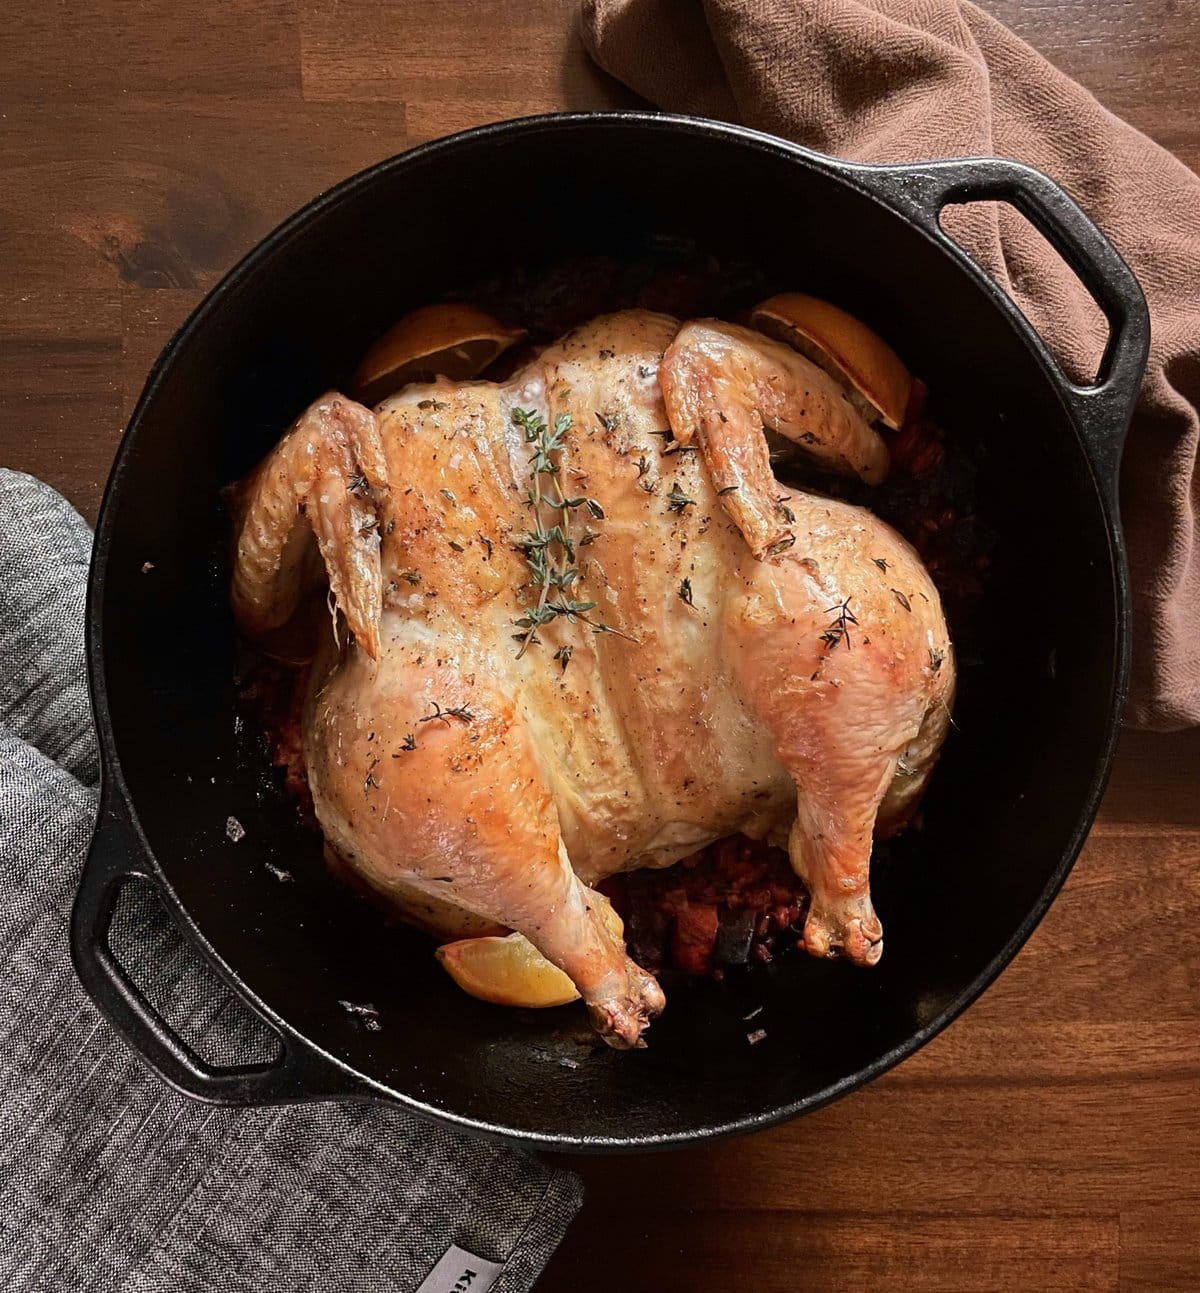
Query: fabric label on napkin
{"x": 459, "y": 1271}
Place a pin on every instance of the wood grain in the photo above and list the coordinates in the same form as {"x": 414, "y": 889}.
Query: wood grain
{"x": 1048, "y": 1140}
{"x": 1137, "y": 56}
{"x": 821, "y": 1252}
{"x": 60, "y": 384}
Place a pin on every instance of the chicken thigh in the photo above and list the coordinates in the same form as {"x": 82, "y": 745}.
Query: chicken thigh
{"x": 580, "y": 628}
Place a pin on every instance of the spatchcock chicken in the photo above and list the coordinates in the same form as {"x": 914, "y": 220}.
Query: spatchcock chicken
{"x": 580, "y": 628}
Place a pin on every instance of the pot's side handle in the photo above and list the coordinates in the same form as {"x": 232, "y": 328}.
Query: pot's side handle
{"x": 299, "y": 1072}
{"x": 1102, "y": 408}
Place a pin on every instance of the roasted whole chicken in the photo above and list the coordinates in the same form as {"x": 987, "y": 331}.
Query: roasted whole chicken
{"x": 580, "y": 628}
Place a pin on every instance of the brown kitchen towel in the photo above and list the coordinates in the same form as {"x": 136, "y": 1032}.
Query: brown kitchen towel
{"x": 914, "y": 80}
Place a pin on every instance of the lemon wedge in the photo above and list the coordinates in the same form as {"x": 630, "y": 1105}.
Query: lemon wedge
{"x": 842, "y": 345}
{"x": 447, "y": 340}
{"x": 510, "y": 971}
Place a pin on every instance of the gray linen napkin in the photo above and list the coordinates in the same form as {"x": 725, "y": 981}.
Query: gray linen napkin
{"x": 110, "y": 1182}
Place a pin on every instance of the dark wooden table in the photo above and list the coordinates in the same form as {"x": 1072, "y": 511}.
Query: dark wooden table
{"x": 1051, "y": 1138}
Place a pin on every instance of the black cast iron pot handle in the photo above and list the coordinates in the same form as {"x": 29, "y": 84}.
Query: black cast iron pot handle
{"x": 1102, "y": 409}
{"x": 299, "y": 1072}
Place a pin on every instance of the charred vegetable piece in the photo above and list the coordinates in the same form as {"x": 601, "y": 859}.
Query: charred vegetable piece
{"x": 695, "y": 938}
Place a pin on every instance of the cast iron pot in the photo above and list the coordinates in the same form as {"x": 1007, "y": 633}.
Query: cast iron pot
{"x": 1014, "y": 795}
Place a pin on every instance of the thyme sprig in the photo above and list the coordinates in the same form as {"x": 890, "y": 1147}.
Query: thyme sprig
{"x": 550, "y": 549}
{"x": 461, "y": 712}
{"x": 839, "y": 630}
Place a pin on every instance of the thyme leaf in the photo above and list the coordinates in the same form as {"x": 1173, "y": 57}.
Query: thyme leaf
{"x": 461, "y": 712}
{"x": 839, "y": 631}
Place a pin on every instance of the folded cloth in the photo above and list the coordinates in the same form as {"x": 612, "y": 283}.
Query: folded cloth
{"x": 915, "y": 80}
{"x": 110, "y": 1182}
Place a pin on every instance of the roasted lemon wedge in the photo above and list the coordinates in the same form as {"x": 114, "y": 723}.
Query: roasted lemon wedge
{"x": 845, "y": 347}
{"x": 447, "y": 340}
{"x": 510, "y": 971}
